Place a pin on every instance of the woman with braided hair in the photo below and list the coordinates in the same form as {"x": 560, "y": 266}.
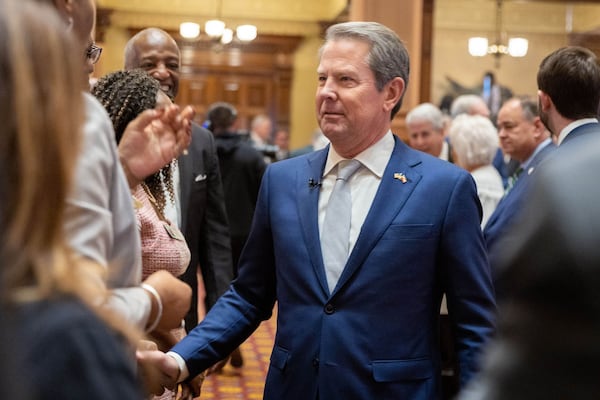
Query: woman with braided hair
{"x": 124, "y": 95}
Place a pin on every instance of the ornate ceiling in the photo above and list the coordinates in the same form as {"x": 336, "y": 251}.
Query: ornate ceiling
{"x": 274, "y": 17}
{"x": 303, "y": 18}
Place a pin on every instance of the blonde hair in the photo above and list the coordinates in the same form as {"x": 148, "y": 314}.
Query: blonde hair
{"x": 41, "y": 107}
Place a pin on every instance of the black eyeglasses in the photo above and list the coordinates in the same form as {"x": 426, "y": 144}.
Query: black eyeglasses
{"x": 93, "y": 52}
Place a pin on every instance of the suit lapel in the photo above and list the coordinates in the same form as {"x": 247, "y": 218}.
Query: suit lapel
{"x": 308, "y": 209}
{"x": 398, "y": 182}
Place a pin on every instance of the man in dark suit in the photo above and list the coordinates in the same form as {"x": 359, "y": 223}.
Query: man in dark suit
{"x": 367, "y": 330}
{"x": 569, "y": 92}
{"x": 200, "y": 208}
{"x": 524, "y": 138}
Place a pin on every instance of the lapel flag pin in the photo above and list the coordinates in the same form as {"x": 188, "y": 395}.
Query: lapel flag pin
{"x": 400, "y": 176}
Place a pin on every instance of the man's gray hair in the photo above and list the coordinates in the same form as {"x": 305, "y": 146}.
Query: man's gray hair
{"x": 388, "y": 57}
{"x": 426, "y": 112}
{"x": 463, "y": 104}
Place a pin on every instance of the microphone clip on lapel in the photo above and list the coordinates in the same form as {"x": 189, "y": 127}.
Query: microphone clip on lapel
{"x": 313, "y": 183}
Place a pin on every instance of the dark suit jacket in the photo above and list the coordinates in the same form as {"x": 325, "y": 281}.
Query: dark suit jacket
{"x": 510, "y": 206}
{"x": 204, "y": 220}
{"x": 375, "y": 336}
{"x": 68, "y": 353}
{"x": 547, "y": 346}
{"x": 242, "y": 168}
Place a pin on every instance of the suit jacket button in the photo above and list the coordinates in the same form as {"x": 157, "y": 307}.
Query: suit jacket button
{"x": 329, "y": 308}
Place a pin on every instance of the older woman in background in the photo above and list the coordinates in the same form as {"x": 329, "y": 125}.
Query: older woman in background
{"x": 62, "y": 342}
{"x": 474, "y": 145}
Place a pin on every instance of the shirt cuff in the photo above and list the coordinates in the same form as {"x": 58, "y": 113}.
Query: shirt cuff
{"x": 183, "y": 369}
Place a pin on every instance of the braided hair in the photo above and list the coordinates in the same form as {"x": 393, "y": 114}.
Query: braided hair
{"x": 125, "y": 95}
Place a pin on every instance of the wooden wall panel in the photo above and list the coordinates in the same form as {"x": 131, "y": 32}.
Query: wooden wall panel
{"x": 256, "y": 78}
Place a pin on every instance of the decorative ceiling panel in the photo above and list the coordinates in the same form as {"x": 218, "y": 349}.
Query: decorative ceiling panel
{"x": 304, "y": 10}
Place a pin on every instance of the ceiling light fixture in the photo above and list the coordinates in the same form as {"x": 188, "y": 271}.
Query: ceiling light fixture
{"x": 216, "y": 29}
{"x": 517, "y": 46}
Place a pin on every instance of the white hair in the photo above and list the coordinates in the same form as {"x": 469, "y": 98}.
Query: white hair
{"x": 474, "y": 139}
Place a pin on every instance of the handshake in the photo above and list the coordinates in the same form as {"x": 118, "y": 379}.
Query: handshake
{"x": 160, "y": 371}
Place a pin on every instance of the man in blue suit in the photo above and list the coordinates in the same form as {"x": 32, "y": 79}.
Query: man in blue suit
{"x": 524, "y": 138}
{"x": 368, "y": 331}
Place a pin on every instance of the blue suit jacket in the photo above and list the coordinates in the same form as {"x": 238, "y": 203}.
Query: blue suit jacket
{"x": 580, "y": 132}
{"x": 510, "y": 205}
{"x": 375, "y": 336}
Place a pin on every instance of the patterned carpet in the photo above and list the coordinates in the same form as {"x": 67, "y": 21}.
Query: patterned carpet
{"x": 248, "y": 381}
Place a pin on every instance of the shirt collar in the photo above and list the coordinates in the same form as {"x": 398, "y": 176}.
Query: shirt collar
{"x": 539, "y": 148}
{"x": 375, "y": 158}
{"x": 575, "y": 124}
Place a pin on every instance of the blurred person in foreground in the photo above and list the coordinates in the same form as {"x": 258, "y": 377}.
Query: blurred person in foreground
{"x": 100, "y": 221}
{"x": 475, "y": 142}
{"x": 358, "y": 295}
{"x": 199, "y": 206}
{"x": 65, "y": 345}
{"x": 549, "y": 273}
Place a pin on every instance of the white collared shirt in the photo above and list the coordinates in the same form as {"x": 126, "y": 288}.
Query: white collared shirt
{"x": 363, "y": 184}
{"x": 525, "y": 164}
{"x": 445, "y": 153}
{"x": 575, "y": 124}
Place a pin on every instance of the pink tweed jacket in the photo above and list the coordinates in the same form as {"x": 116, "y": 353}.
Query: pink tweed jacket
{"x": 163, "y": 245}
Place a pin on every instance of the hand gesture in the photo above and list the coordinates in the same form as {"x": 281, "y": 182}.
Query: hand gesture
{"x": 153, "y": 140}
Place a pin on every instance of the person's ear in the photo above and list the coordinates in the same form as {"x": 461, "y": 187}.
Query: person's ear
{"x": 545, "y": 101}
{"x": 539, "y": 128}
{"x": 65, "y": 10}
{"x": 394, "y": 91}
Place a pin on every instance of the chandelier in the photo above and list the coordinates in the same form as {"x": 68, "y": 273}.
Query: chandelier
{"x": 517, "y": 46}
{"x": 217, "y": 30}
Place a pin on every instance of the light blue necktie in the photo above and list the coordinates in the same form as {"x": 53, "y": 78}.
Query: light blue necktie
{"x": 336, "y": 226}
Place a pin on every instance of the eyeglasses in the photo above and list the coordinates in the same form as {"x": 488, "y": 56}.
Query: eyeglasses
{"x": 93, "y": 52}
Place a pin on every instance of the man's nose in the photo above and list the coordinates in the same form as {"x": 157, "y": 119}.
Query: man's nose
{"x": 161, "y": 72}
{"x": 327, "y": 90}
